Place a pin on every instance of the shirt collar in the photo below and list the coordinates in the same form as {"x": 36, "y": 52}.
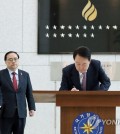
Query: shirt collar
{"x": 81, "y": 73}
{"x": 10, "y": 71}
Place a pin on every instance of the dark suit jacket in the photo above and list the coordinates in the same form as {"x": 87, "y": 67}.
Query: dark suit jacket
{"x": 11, "y": 99}
{"x": 96, "y": 77}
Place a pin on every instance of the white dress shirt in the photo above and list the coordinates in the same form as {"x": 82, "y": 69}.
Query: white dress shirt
{"x": 16, "y": 75}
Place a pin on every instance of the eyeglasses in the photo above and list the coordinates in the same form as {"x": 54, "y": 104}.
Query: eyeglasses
{"x": 12, "y": 59}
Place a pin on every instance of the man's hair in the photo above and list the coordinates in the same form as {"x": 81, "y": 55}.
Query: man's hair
{"x": 83, "y": 52}
{"x": 5, "y": 57}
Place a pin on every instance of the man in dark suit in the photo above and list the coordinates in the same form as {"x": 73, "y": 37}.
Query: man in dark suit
{"x": 16, "y": 88}
{"x": 84, "y": 68}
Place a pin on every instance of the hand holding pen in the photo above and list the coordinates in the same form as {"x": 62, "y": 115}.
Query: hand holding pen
{"x": 74, "y": 89}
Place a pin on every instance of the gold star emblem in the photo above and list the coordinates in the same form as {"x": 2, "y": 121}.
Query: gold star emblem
{"x": 88, "y": 128}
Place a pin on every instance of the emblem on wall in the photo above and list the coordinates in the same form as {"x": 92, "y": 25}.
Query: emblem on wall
{"x": 89, "y": 12}
{"x": 88, "y": 123}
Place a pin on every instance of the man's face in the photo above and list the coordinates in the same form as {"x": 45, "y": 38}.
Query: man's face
{"x": 81, "y": 63}
{"x": 12, "y": 61}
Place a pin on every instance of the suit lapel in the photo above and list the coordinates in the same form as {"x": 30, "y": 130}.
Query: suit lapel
{"x": 20, "y": 75}
{"x": 88, "y": 77}
{"x": 8, "y": 78}
{"x": 75, "y": 78}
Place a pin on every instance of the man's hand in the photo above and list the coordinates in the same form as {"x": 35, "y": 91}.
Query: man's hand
{"x": 74, "y": 89}
{"x": 31, "y": 113}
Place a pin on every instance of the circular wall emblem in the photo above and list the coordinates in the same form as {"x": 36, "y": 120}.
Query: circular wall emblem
{"x": 88, "y": 123}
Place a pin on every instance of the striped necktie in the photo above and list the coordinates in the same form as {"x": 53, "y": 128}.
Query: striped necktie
{"x": 84, "y": 81}
{"x": 14, "y": 81}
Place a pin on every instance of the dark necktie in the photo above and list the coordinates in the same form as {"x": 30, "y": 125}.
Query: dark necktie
{"x": 84, "y": 81}
{"x": 14, "y": 81}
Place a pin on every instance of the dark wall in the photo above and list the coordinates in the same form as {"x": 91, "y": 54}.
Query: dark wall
{"x": 102, "y": 34}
